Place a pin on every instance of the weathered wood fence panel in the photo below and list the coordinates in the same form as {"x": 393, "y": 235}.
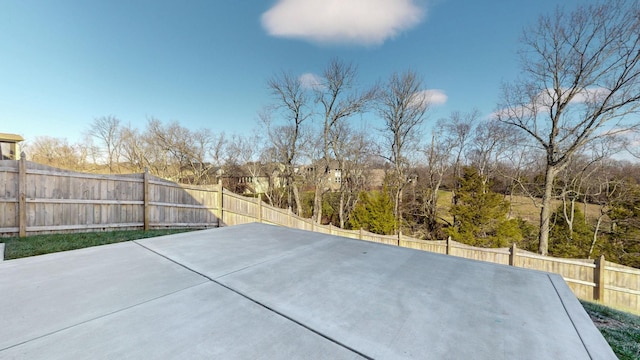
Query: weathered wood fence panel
{"x": 60, "y": 201}
{"x": 9, "y": 195}
{"x": 438, "y": 246}
{"x": 621, "y": 286}
{"x": 36, "y": 199}
{"x": 498, "y": 256}
{"x": 239, "y": 209}
{"x": 173, "y": 205}
{"x": 275, "y": 216}
{"x": 346, "y": 233}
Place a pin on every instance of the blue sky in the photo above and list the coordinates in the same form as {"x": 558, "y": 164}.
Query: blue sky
{"x": 204, "y": 63}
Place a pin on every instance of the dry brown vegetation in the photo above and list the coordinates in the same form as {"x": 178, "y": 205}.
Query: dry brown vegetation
{"x": 521, "y": 206}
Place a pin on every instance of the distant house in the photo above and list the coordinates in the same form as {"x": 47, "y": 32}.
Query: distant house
{"x": 252, "y": 178}
{"x": 248, "y": 184}
{"x": 10, "y": 146}
{"x": 335, "y": 176}
{"x": 331, "y": 172}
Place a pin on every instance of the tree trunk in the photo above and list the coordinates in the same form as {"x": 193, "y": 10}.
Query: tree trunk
{"x": 432, "y": 208}
{"x": 341, "y": 210}
{"x": 431, "y": 213}
{"x": 569, "y": 215}
{"x": 595, "y": 234}
{"x": 398, "y": 206}
{"x": 545, "y": 212}
{"x": 296, "y": 198}
{"x": 317, "y": 202}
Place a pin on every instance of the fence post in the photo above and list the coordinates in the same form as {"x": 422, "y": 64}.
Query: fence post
{"x": 259, "y": 201}
{"x": 449, "y": 245}
{"x": 598, "y": 278}
{"x": 22, "y": 195}
{"x": 399, "y": 236}
{"x": 360, "y": 234}
{"x": 220, "y": 202}
{"x": 289, "y": 220}
{"x": 146, "y": 198}
{"x": 512, "y": 254}
{"x": 330, "y": 229}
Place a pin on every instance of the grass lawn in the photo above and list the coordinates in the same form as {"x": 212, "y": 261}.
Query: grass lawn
{"x": 620, "y": 329}
{"x": 16, "y": 247}
{"x": 521, "y": 206}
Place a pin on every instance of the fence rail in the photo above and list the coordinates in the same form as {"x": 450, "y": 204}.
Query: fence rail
{"x": 37, "y": 199}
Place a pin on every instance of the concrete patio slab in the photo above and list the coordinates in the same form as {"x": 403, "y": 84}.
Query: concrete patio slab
{"x": 202, "y": 322}
{"x": 44, "y": 294}
{"x": 260, "y": 291}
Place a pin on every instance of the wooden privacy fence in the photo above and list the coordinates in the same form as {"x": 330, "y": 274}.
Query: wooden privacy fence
{"x": 36, "y": 199}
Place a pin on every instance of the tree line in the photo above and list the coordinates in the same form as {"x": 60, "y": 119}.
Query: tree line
{"x": 370, "y": 155}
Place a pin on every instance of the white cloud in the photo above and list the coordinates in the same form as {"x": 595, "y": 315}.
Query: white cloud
{"x": 435, "y": 96}
{"x": 429, "y": 97}
{"x": 591, "y": 95}
{"x": 365, "y": 22}
{"x": 311, "y": 81}
{"x": 542, "y": 102}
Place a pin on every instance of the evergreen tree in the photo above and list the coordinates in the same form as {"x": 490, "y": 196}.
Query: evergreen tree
{"x": 481, "y": 214}
{"x": 569, "y": 241}
{"x": 374, "y": 213}
{"x": 623, "y": 245}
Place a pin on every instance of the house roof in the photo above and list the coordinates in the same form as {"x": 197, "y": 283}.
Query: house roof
{"x": 260, "y": 291}
{"x": 10, "y": 137}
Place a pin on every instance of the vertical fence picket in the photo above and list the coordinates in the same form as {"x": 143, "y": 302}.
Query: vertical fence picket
{"x": 146, "y": 199}
{"x": 598, "y": 276}
{"x": 22, "y": 196}
{"x": 513, "y": 254}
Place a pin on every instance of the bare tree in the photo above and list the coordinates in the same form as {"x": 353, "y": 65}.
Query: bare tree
{"x": 574, "y": 187}
{"x": 351, "y": 148}
{"x": 581, "y": 78}
{"x": 166, "y": 149}
{"x": 491, "y": 140}
{"x": 437, "y": 156}
{"x": 457, "y": 131}
{"x": 243, "y": 156}
{"x": 106, "y": 130}
{"x": 518, "y": 164}
{"x": 615, "y": 186}
{"x": 55, "y": 152}
{"x": 291, "y": 104}
{"x": 184, "y": 155}
{"x": 402, "y": 105}
{"x": 339, "y": 100}
{"x": 133, "y": 149}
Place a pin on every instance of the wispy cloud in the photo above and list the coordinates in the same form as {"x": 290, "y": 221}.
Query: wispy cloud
{"x": 311, "y": 81}
{"x": 434, "y": 96}
{"x": 364, "y": 22}
{"x": 430, "y": 97}
{"x": 544, "y": 100}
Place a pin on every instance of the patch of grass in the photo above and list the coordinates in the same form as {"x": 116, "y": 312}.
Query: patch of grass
{"x": 16, "y": 247}
{"x": 524, "y": 207}
{"x": 620, "y": 329}
{"x": 521, "y": 206}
